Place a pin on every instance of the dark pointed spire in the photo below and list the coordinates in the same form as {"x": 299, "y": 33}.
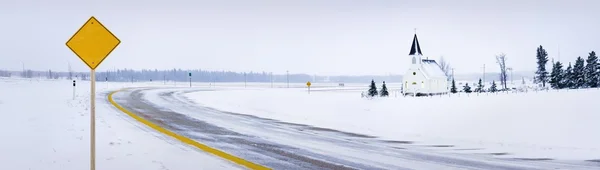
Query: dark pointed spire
{"x": 415, "y": 48}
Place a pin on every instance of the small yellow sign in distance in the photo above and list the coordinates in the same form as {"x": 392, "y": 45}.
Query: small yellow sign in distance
{"x": 308, "y": 84}
{"x": 92, "y": 43}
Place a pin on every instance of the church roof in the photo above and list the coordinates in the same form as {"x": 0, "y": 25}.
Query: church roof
{"x": 415, "y": 48}
{"x": 432, "y": 69}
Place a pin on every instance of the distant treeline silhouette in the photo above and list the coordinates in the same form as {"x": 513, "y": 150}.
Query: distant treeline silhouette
{"x": 127, "y": 75}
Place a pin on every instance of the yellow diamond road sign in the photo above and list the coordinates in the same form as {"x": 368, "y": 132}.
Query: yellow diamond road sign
{"x": 92, "y": 43}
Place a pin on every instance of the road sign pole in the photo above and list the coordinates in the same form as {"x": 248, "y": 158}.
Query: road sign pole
{"x": 93, "y": 122}
{"x": 92, "y": 46}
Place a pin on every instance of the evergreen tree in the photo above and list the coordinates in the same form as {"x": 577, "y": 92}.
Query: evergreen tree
{"x": 591, "y": 70}
{"x": 557, "y": 75}
{"x": 373, "y": 89}
{"x": 467, "y": 88}
{"x": 541, "y": 73}
{"x": 384, "y": 91}
{"x": 480, "y": 87}
{"x": 493, "y": 88}
{"x": 568, "y": 77}
{"x": 453, "y": 88}
{"x": 578, "y": 73}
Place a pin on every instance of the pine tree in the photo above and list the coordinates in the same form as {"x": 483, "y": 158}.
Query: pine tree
{"x": 568, "y": 77}
{"x": 373, "y": 89}
{"x": 453, "y": 88}
{"x": 467, "y": 88}
{"x": 493, "y": 88}
{"x": 384, "y": 91}
{"x": 557, "y": 75}
{"x": 591, "y": 70}
{"x": 480, "y": 87}
{"x": 578, "y": 73}
{"x": 541, "y": 73}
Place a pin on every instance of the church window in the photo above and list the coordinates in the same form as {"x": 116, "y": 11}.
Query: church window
{"x": 414, "y": 60}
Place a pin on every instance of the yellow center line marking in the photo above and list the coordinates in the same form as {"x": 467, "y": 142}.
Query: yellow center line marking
{"x": 186, "y": 140}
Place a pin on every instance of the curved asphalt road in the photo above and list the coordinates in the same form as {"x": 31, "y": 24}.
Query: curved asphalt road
{"x": 281, "y": 145}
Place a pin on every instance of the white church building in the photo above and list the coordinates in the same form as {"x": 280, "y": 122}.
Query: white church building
{"x": 424, "y": 77}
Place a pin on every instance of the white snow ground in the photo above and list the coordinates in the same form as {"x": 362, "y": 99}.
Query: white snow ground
{"x": 42, "y": 127}
{"x": 555, "y": 124}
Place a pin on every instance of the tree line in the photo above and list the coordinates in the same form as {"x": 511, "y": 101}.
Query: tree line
{"x": 583, "y": 74}
{"x": 198, "y": 75}
{"x": 480, "y": 88}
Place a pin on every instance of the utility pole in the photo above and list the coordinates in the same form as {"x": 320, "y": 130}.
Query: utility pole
{"x": 483, "y": 73}
{"x": 509, "y": 69}
{"x": 511, "y": 75}
{"x": 288, "y": 78}
{"x": 23, "y": 74}
{"x": 245, "y": 80}
{"x": 271, "y": 79}
{"x": 452, "y": 73}
{"x": 174, "y": 77}
{"x": 116, "y": 74}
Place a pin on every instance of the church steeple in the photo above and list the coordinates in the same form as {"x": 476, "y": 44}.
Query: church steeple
{"x": 416, "y": 48}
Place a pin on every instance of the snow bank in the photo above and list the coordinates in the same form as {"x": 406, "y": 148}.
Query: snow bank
{"x": 42, "y": 127}
{"x": 553, "y": 124}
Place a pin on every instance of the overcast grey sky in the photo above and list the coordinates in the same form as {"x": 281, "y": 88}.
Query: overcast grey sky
{"x": 329, "y": 37}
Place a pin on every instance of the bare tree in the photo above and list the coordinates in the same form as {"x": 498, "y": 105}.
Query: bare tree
{"x": 501, "y": 60}
{"x": 50, "y": 76}
{"x": 445, "y": 66}
{"x": 27, "y": 74}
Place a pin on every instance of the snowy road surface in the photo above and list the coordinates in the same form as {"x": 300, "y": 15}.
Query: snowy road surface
{"x": 281, "y": 145}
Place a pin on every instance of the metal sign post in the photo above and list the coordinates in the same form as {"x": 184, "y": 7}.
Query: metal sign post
{"x": 92, "y": 43}
{"x": 93, "y": 121}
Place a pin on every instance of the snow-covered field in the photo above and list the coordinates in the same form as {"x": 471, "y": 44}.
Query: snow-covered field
{"x": 539, "y": 125}
{"x": 42, "y": 127}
